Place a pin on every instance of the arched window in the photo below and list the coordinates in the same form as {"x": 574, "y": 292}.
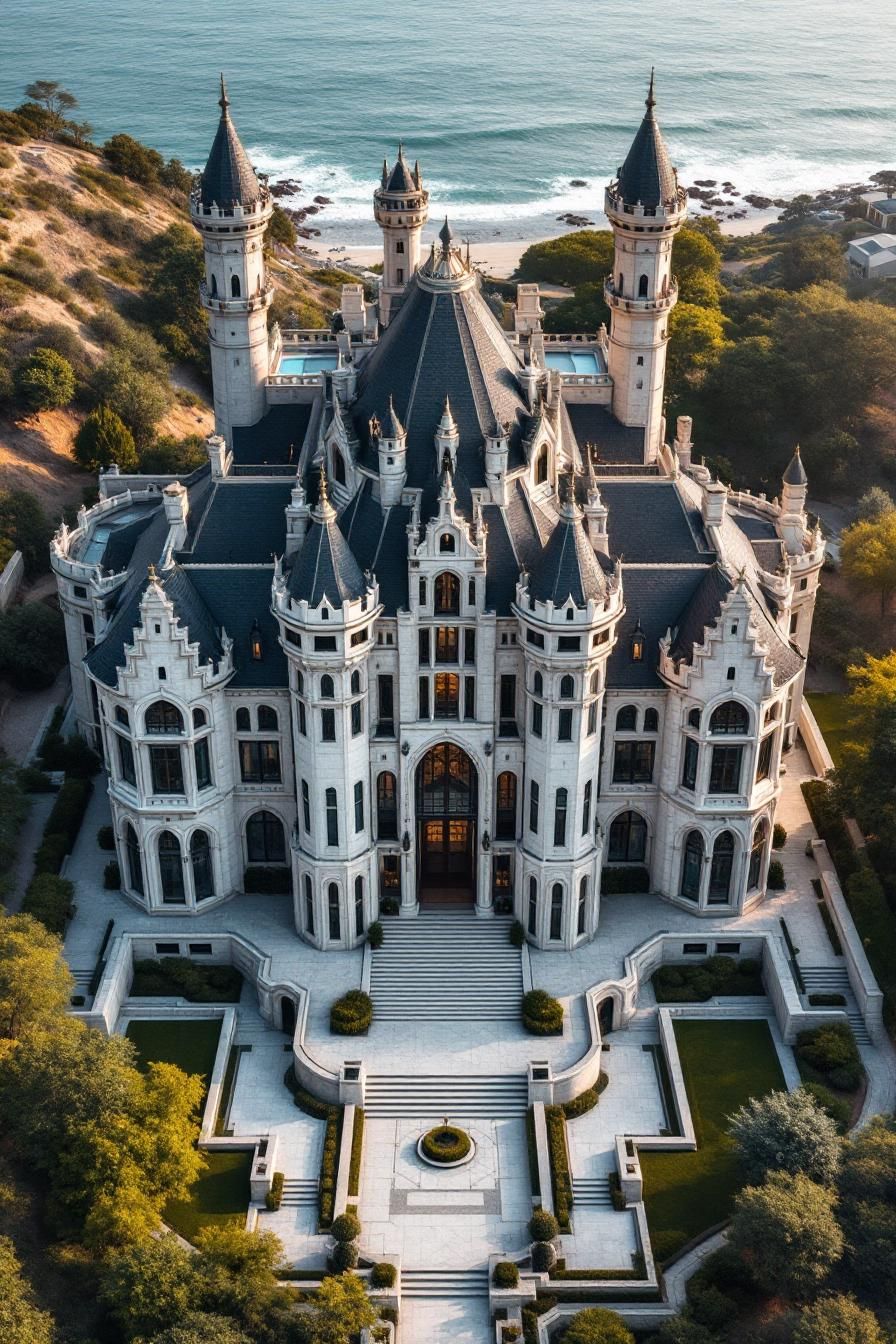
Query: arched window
{"x": 234, "y": 287}
{"x": 243, "y": 724}
{"x": 505, "y": 818}
{"x": 627, "y": 719}
{"x": 628, "y": 838}
{"x": 560, "y": 807}
{"x": 135, "y": 862}
{"x": 163, "y": 717}
{"x": 300, "y": 683}
{"x": 731, "y": 717}
{"x": 567, "y": 688}
{"x": 541, "y": 465}
{"x": 214, "y": 286}
{"x": 532, "y": 916}
{"x": 447, "y": 595}
{"x": 359, "y": 906}
{"x": 621, "y": 286}
{"x": 386, "y": 807}
{"x": 446, "y": 543}
{"x": 720, "y": 870}
{"x": 651, "y": 721}
{"x": 595, "y": 683}
{"x": 309, "y": 907}
{"x": 692, "y": 866}
{"x": 199, "y": 718}
{"x": 583, "y": 906}
{"x": 642, "y": 287}
{"x": 171, "y": 869}
{"x": 694, "y": 719}
{"x": 338, "y": 466}
{"x": 265, "y": 839}
{"x": 538, "y": 684}
{"x": 267, "y": 719}
{"x": 757, "y": 855}
{"x": 356, "y": 683}
{"x": 201, "y": 862}
{"x": 335, "y": 930}
{"x": 556, "y": 929}
{"x": 332, "y": 810}
{"x": 326, "y": 687}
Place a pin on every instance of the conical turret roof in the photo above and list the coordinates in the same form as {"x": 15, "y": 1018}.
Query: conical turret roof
{"x": 325, "y": 566}
{"x": 796, "y": 472}
{"x": 228, "y": 178}
{"x": 647, "y": 177}
{"x": 568, "y": 566}
{"x": 401, "y": 178}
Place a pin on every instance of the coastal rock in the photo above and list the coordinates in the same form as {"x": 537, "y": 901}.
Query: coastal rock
{"x": 705, "y": 182}
{"x": 323, "y": 200}
{"x": 287, "y": 186}
{"x": 578, "y": 182}
{"x": 575, "y": 221}
{"x": 758, "y": 202}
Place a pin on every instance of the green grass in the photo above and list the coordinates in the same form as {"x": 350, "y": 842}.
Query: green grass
{"x": 190, "y": 1045}
{"x": 832, "y": 713}
{"x": 221, "y": 1195}
{"x": 724, "y": 1064}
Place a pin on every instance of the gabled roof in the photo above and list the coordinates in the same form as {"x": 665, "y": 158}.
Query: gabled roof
{"x": 228, "y": 178}
{"x": 702, "y": 611}
{"x": 568, "y": 567}
{"x": 647, "y": 176}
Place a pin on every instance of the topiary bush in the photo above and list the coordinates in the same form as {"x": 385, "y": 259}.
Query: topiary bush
{"x": 375, "y": 935}
{"x": 383, "y": 1275}
{"x": 542, "y": 1013}
{"x": 543, "y": 1226}
{"x": 446, "y": 1143}
{"x": 352, "y": 1014}
{"x": 779, "y": 836}
{"x": 831, "y": 1051}
{"x": 344, "y": 1256}
{"x": 775, "y": 880}
{"x": 274, "y": 1196}
{"x": 33, "y": 780}
{"x": 505, "y": 1274}
{"x": 347, "y": 1227}
{"x": 49, "y": 899}
{"x": 544, "y": 1257}
{"x": 105, "y": 837}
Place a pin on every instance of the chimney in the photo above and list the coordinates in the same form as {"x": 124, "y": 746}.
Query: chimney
{"x": 177, "y": 506}
{"x": 683, "y": 444}
{"x": 713, "y": 504}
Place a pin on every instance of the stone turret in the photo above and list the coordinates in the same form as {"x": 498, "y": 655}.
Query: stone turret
{"x": 401, "y": 208}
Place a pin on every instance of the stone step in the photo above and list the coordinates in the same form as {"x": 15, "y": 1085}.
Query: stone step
{"x": 299, "y": 1193}
{"x": 592, "y": 1192}
{"x": 859, "y": 1030}
{"x": 407, "y": 1097}
{"x": 824, "y": 975}
{"x": 81, "y": 978}
{"x": 444, "y": 1282}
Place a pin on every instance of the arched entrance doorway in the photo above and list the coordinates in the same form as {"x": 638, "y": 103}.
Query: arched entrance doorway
{"x": 605, "y": 1016}
{"x": 446, "y": 804}
{"x": 287, "y": 1015}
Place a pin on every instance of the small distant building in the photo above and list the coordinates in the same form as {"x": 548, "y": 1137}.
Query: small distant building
{"x": 873, "y": 258}
{"x": 882, "y": 213}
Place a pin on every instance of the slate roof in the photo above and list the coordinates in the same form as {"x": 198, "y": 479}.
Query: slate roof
{"x": 647, "y": 177}
{"x": 702, "y": 610}
{"x": 615, "y": 442}
{"x": 568, "y": 566}
{"x": 325, "y": 566}
{"x": 242, "y": 524}
{"x": 277, "y": 438}
{"x": 228, "y": 178}
{"x": 652, "y": 594}
{"x": 401, "y": 178}
{"x": 235, "y": 597}
{"x": 796, "y": 472}
{"x": 649, "y": 523}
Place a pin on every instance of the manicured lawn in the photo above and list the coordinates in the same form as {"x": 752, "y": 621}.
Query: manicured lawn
{"x": 831, "y": 711}
{"x": 724, "y": 1064}
{"x": 221, "y": 1195}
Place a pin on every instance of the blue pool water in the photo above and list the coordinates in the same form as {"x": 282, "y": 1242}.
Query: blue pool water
{"x": 572, "y": 361}
{"x": 306, "y": 363}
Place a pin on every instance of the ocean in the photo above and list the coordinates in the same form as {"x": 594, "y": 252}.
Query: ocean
{"x": 505, "y": 105}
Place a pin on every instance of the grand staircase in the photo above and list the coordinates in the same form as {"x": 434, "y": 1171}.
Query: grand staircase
{"x": 444, "y": 1282}
{"x": 833, "y": 979}
{"x": 440, "y": 1097}
{"x": 446, "y": 966}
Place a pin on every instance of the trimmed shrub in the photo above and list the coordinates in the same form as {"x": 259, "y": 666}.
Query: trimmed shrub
{"x": 543, "y": 1226}
{"x": 344, "y": 1256}
{"x": 517, "y": 934}
{"x": 375, "y": 935}
{"x": 620, "y": 880}
{"x": 560, "y": 1175}
{"x": 197, "y": 983}
{"x": 506, "y": 1274}
{"x": 383, "y": 1275}
{"x": 779, "y": 836}
{"x": 112, "y": 876}
{"x": 33, "y": 780}
{"x": 75, "y": 757}
{"x": 354, "y": 1171}
{"x": 49, "y": 899}
{"x": 274, "y": 1196}
{"x": 831, "y": 1050}
{"x": 696, "y": 982}
{"x": 347, "y": 1227}
{"x": 585, "y": 1101}
{"x": 542, "y": 1013}
{"x": 775, "y": 880}
{"x": 352, "y": 1014}
{"x": 446, "y": 1143}
{"x": 544, "y": 1257}
{"x": 50, "y": 853}
{"x": 105, "y": 837}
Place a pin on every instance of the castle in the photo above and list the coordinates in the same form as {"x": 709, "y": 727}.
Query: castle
{"x": 445, "y": 619}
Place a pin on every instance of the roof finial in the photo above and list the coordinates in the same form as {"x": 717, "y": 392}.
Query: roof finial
{"x": 445, "y": 235}
{"x": 650, "y": 101}
{"x": 400, "y": 150}
{"x": 323, "y": 498}
{"x": 151, "y": 573}
{"x": 223, "y": 101}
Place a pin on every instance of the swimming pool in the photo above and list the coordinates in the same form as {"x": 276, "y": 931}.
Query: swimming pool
{"x": 573, "y": 361}
{"x": 306, "y": 363}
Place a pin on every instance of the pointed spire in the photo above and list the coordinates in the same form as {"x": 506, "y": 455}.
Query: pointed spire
{"x": 385, "y": 173}
{"x": 650, "y": 102}
{"x": 417, "y": 177}
{"x": 446, "y": 235}
{"x": 447, "y": 424}
{"x": 647, "y": 177}
{"x": 324, "y": 511}
{"x": 228, "y": 178}
{"x": 796, "y": 472}
{"x": 223, "y": 101}
{"x": 392, "y": 426}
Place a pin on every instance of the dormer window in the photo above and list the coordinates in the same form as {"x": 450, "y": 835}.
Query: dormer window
{"x": 255, "y": 645}
{"x": 446, "y": 542}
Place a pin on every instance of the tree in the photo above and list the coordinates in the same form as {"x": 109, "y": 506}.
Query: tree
{"x": 874, "y": 504}
{"x": 596, "y": 1325}
{"x": 281, "y": 228}
{"x": 45, "y": 380}
{"x": 13, "y": 810}
{"x": 811, "y": 260}
{"x": 32, "y": 645}
{"x": 104, "y": 438}
{"x": 575, "y": 259}
{"x": 178, "y": 178}
{"x": 886, "y": 179}
{"x": 867, "y": 1195}
{"x": 696, "y": 343}
{"x": 20, "y": 1320}
{"x": 35, "y": 982}
{"x": 787, "y": 1232}
{"x": 341, "y": 1310}
{"x": 127, "y": 157}
{"x": 868, "y": 554}
{"x": 53, "y": 98}
{"x": 837, "y": 1320}
{"x": 175, "y": 267}
{"x": 24, "y": 523}
{"x": 201, "y": 1327}
{"x": 146, "y": 1287}
{"x": 684, "y": 1329}
{"x": 139, "y": 399}
{"x": 168, "y": 456}
{"x": 786, "y": 1131}
{"x": 696, "y": 265}
{"x": 235, "y": 1274}
{"x": 797, "y": 210}
{"x": 584, "y": 312}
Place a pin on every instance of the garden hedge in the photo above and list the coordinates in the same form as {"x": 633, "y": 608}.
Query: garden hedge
{"x": 49, "y": 899}
{"x": 831, "y": 1051}
{"x": 178, "y": 976}
{"x": 274, "y": 1196}
{"x": 505, "y": 1274}
{"x": 446, "y": 1143}
{"x": 561, "y": 1179}
{"x": 352, "y": 1014}
{"x": 542, "y": 1013}
{"x": 696, "y": 982}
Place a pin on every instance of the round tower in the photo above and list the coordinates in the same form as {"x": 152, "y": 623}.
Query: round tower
{"x": 231, "y": 206}
{"x": 645, "y": 208}
{"x": 401, "y": 208}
